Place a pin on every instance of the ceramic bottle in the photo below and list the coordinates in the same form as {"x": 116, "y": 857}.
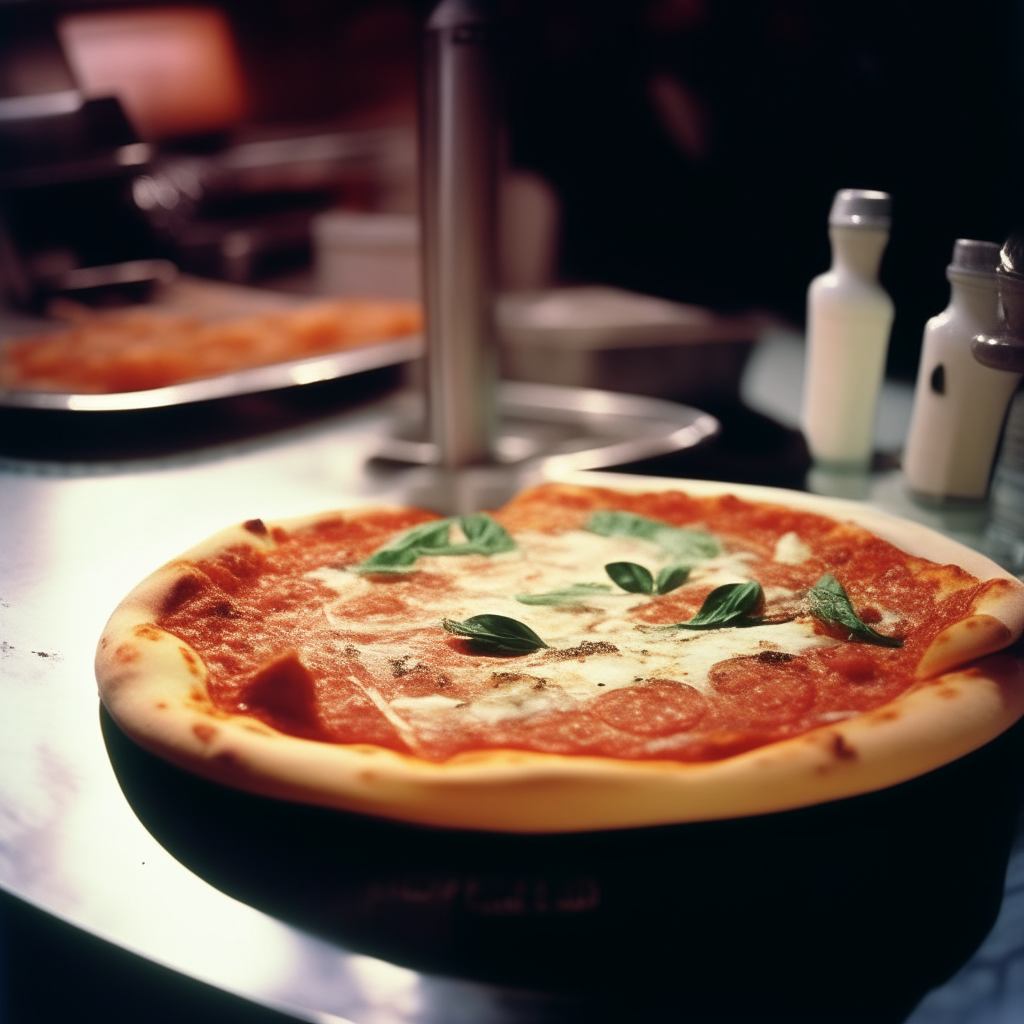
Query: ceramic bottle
{"x": 849, "y": 316}
{"x": 959, "y": 404}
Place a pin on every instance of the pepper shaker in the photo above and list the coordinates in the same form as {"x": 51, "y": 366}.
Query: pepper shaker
{"x": 959, "y": 404}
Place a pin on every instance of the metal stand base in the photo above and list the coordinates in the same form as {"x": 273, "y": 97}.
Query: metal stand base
{"x": 577, "y": 428}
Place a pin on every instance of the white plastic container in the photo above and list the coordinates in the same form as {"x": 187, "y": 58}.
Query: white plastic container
{"x": 367, "y": 255}
{"x": 596, "y": 336}
{"x": 959, "y": 404}
{"x": 849, "y": 317}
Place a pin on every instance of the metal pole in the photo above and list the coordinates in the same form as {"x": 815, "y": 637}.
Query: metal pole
{"x": 457, "y": 173}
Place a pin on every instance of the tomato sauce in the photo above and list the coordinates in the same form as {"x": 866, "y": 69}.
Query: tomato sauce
{"x": 259, "y": 624}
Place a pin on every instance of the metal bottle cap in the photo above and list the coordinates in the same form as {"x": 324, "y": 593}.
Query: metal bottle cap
{"x": 1011, "y": 257}
{"x": 861, "y": 208}
{"x": 973, "y": 257}
{"x": 1004, "y": 348}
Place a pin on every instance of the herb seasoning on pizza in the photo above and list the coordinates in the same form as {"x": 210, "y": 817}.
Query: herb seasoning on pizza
{"x": 596, "y": 630}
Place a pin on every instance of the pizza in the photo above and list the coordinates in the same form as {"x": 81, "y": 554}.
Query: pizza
{"x": 587, "y": 657}
{"x": 138, "y": 349}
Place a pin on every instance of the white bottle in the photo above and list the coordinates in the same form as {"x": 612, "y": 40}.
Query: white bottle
{"x": 849, "y": 316}
{"x": 959, "y": 404}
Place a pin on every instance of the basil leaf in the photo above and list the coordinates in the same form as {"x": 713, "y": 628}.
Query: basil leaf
{"x": 671, "y": 577}
{"x": 426, "y": 537}
{"x": 484, "y": 536}
{"x": 684, "y": 545}
{"x": 630, "y": 576}
{"x": 567, "y": 595}
{"x": 390, "y": 560}
{"x": 726, "y": 605}
{"x": 496, "y": 634}
{"x": 831, "y": 605}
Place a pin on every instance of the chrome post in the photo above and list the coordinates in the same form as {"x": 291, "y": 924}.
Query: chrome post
{"x": 457, "y": 181}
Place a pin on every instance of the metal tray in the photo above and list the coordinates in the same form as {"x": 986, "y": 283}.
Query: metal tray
{"x": 581, "y": 428}
{"x": 241, "y": 382}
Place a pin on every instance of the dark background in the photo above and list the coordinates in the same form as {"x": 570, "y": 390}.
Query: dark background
{"x": 696, "y": 144}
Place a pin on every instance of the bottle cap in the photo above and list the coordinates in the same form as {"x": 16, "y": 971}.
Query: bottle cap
{"x": 973, "y": 257}
{"x": 861, "y": 208}
{"x": 1011, "y": 258}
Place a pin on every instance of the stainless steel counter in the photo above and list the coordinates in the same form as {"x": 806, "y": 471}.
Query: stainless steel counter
{"x": 75, "y": 539}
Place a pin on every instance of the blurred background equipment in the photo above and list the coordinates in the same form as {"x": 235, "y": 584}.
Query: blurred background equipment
{"x": 610, "y": 338}
{"x": 67, "y": 219}
{"x": 367, "y": 254}
{"x": 667, "y": 139}
{"x": 174, "y": 69}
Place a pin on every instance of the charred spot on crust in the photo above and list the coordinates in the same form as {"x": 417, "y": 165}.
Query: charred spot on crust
{"x": 203, "y": 732}
{"x": 182, "y": 591}
{"x": 842, "y": 750}
{"x": 256, "y": 527}
{"x": 886, "y": 715}
{"x": 774, "y": 657}
{"x": 126, "y": 653}
{"x": 191, "y": 661}
{"x": 581, "y": 651}
{"x": 147, "y": 631}
{"x": 283, "y": 694}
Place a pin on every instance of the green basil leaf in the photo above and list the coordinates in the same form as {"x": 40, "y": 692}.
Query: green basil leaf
{"x": 574, "y": 594}
{"x": 390, "y": 560}
{"x": 726, "y": 605}
{"x": 671, "y": 577}
{"x": 831, "y": 605}
{"x": 484, "y": 536}
{"x": 682, "y": 545}
{"x": 630, "y": 576}
{"x": 427, "y": 537}
{"x": 496, "y": 634}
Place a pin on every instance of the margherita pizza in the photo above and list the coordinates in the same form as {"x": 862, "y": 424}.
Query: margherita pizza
{"x": 584, "y": 658}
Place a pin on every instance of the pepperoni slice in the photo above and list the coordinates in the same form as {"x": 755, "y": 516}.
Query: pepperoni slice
{"x": 756, "y": 696}
{"x": 659, "y": 707}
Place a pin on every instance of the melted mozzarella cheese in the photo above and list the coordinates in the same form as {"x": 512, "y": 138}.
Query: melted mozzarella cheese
{"x": 791, "y": 550}
{"x": 617, "y": 650}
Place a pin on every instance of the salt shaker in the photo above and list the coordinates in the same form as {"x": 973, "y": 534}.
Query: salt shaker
{"x": 849, "y": 316}
{"x": 959, "y": 404}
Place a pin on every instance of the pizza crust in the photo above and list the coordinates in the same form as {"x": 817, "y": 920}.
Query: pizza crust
{"x": 153, "y": 684}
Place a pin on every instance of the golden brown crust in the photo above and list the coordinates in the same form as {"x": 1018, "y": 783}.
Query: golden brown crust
{"x": 154, "y": 686}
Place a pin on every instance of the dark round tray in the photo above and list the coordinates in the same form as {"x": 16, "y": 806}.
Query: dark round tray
{"x": 847, "y": 911}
